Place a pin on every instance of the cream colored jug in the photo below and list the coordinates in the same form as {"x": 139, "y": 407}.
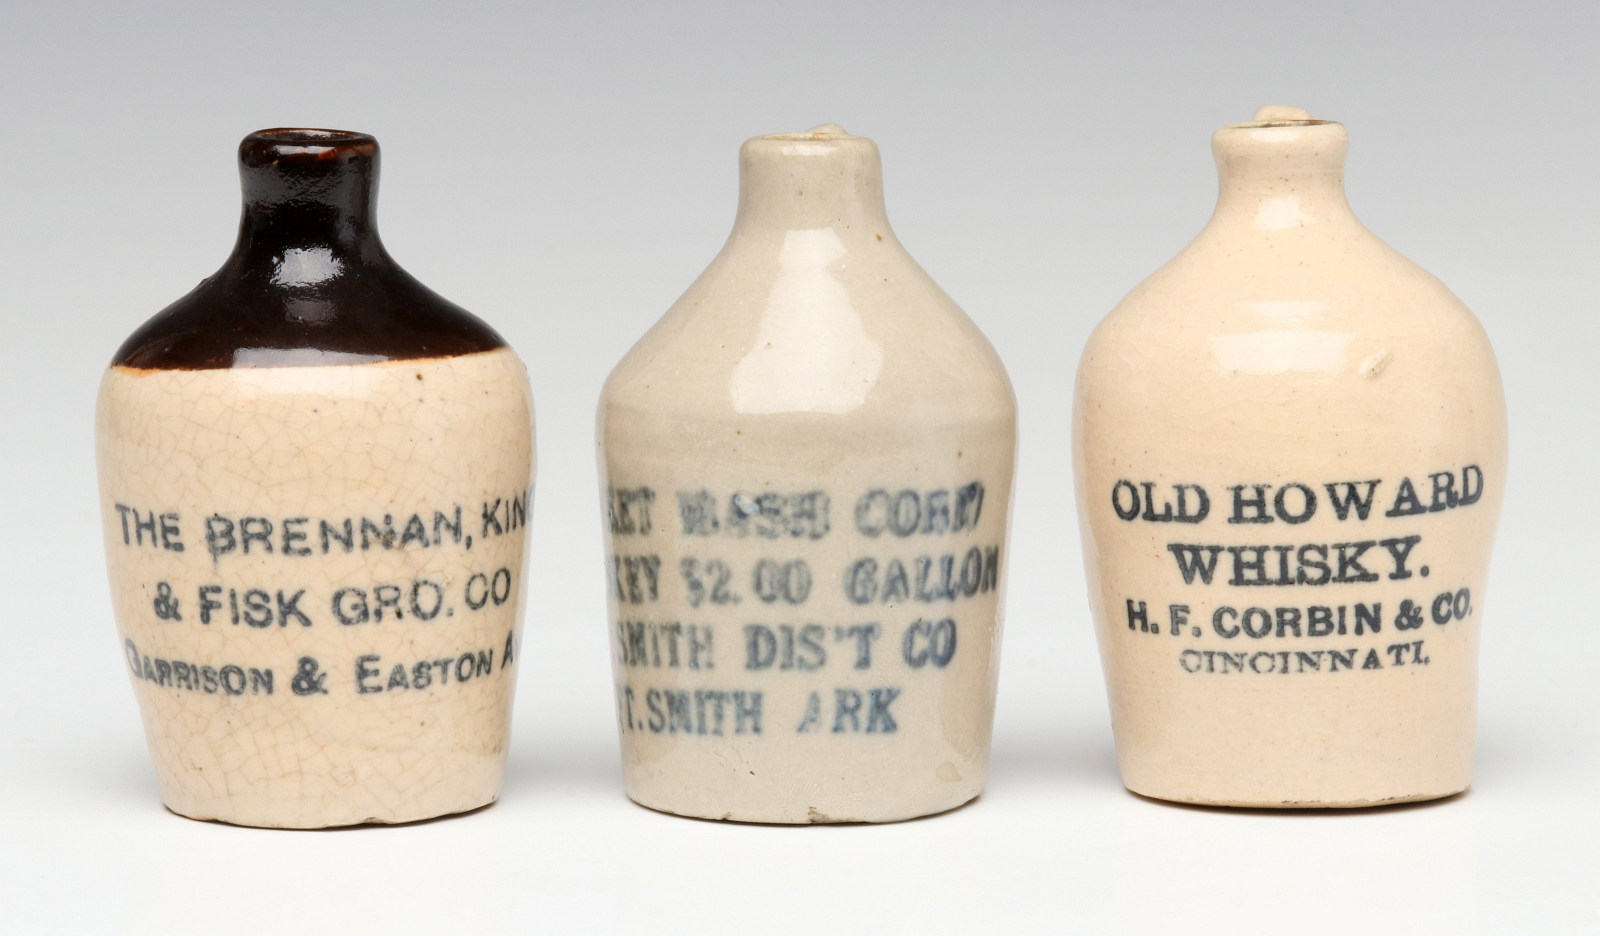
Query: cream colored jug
{"x": 807, "y": 466}
{"x": 1290, "y": 451}
{"x": 315, "y": 478}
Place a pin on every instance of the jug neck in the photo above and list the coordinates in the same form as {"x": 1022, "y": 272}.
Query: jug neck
{"x": 1282, "y": 170}
{"x": 823, "y": 178}
{"x": 309, "y": 203}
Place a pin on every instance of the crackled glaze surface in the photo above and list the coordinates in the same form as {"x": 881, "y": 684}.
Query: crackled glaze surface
{"x": 315, "y": 485}
{"x": 317, "y": 595}
{"x": 1290, "y": 457}
{"x": 808, "y": 467}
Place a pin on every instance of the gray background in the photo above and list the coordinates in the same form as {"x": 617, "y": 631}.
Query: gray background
{"x": 565, "y": 171}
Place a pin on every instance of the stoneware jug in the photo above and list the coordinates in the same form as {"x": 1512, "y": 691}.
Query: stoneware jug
{"x": 807, "y": 469}
{"x": 1290, "y": 449}
{"x": 315, "y": 478}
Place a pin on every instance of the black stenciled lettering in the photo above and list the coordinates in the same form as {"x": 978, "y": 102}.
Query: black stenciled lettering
{"x": 207, "y": 603}
{"x": 1282, "y": 506}
{"x": 383, "y": 535}
{"x": 1251, "y": 509}
{"x": 1409, "y": 616}
{"x": 166, "y": 607}
{"x": 863, "y": 635}
{"x": 490, "y": 514}
{"x": 256, "y": 608}
{"x": 414, "y": 533}
{"x": 1249, "y": 565}
{"x": 747, "y": 712}
{"x": 909, "y": 512}
{"x": 122, "y": 511}
{"x": 220, "y": 538}
{"x": 896, "y": 583}
{"x": 700, "y": 640}
{"x": 697, "y": 512}
{"x": 365, "y": 672}
{"x": 1131, "y": 510}
{"x": 929, "y": 579}
{"x": 846, "y": 705}
{"x": 629, "y": 510}
{"x": 1195, "y": 561}
{"x": 171, "y": 535}
{"x": 1349, "y": 559}
{"x": 143, "y": 526}
{"x": 1313, "y": 562}
{"x": 905, "y": 514}
{"x": 386, "y": 597}
{"x": 776, "y": 515}
{"x": 307, "y": 680}
{"x": 1202, "y": 508}
{"x": 1444, "y": 493}
{"x": 872, "y": 513}
{"x": 714, "y": 701}
{"x": 517, "y": 512}
{"x": 785, "y": 647}
{"x": 255, "y": 530}
{"x": 928, "y": 643}
{"x": 427, "y": 599}
{"x": 1406, "y": 503}
{"x": 972, "y": 572}
{"x": 969, "y": 506}
{"x": 344, "y": 535}
{"x": 761, "y": 647}
{"x": 879, "y": 718}
{"x": 936, "y": 513}
{"x": 788, "y": 581}
{"x": 1256, "y": 622}
{"x": 293, "y": 536}
{"x": 1399, "y": 549}
{"x": 861, "y": 581}
{"x": 289, "y": 607}
{"x": 679, "y": 718}
{"x": 350, "y": 606}
{"x": 451, "y": 522}
{"x": 1150, "y": 515}
{"x": 229, "y": 679}
{"x": 1222, "y": 621}
{"x": 1345, "y": 496}
{"x": 638, "y": 578}
{"x": 1139, "y": 617}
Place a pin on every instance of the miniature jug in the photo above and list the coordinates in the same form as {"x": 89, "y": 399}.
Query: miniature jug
{"x": 315, "y": 478}
{"x": 807, "y": 470}
{"x": 1290, "y": 454}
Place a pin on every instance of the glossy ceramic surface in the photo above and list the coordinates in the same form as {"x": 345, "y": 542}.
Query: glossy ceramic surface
{"x": 807, "y": 465}
{"x": 315, "y": 480}
{"x": 1290, "y": 457}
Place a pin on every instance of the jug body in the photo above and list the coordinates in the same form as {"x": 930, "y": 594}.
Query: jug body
{"x": 1290, "y": 455}
{"x": 807, "y": 469}
{"x": 315, "y": 479}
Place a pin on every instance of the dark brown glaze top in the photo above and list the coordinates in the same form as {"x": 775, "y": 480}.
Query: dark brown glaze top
{"x": 308, "y": 281}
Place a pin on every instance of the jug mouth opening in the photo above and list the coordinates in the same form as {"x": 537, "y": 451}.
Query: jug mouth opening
{"x": 807, "y": 137}
{"x": 306, "y": 136}
{"x": 305, "y": 144}
{"x": 821, "y": 133}
{"x": 1269, "y": 124}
